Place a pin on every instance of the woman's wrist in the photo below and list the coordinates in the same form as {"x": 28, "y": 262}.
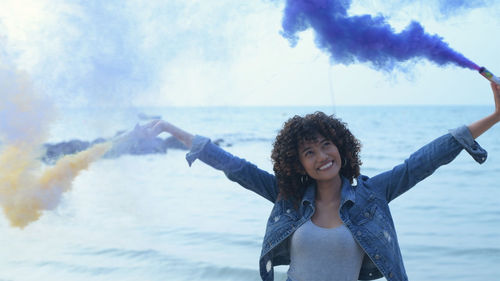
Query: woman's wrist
{"x": 166, "y": 127}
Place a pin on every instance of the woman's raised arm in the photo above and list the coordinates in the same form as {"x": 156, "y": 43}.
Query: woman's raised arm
{"x": 236, "y": 169}
{"x": 441, "y": 151}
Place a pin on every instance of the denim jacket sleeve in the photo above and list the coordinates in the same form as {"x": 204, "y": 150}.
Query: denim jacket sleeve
{"x": 425, "y": 161}
{"x": 236, "y": 169}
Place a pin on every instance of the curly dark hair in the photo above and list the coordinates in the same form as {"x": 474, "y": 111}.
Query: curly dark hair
{"x": 296, "y": 130}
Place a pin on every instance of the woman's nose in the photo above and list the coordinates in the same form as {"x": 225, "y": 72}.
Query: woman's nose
{"x": 322, "y": 155}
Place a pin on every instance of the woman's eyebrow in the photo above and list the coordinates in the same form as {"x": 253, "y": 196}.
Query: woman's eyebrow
{"x": 305, "y": 148}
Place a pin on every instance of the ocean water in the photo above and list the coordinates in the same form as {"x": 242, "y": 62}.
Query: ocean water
{"x": 152, "y": 217}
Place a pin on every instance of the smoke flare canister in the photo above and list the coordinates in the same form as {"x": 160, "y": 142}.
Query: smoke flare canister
{"x": 488, "y": 75}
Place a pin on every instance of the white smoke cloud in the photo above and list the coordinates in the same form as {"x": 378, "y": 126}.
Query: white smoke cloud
{"x": 108, "y": 52}
{"x": 182, "y": 52}
{"x": 24, "y": 113}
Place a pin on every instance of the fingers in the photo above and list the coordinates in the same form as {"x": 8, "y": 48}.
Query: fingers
{"x": 147, "y": 130}
{"x": 155, "y": 127}
{"x": 495, "y": 87}
{"x": 151, "y": 124}
{"x": 151, "y": 129}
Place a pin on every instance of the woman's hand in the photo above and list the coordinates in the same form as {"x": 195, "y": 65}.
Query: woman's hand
{"x": 156, "y": 127}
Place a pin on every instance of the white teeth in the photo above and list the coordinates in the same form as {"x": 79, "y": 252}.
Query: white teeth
{"x": 326, "y": 166}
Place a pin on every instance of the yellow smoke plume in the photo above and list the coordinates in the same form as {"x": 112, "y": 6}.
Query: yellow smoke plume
{"x": 25, "y": 193}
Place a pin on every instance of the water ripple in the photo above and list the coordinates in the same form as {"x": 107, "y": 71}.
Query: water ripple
{"x": 92, "y": 270}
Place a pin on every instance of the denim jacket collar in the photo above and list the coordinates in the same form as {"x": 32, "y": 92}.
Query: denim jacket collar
{"x": 347, "y": 193}
{"x": 308, "y": 198}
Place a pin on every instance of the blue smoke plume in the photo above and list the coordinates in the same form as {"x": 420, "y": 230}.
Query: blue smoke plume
{"x": 366, "y": 38}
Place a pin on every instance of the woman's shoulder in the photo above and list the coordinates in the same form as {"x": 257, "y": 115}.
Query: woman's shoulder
{"x": 366, "y": 188}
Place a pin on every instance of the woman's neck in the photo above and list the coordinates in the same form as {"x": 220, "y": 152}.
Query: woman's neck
{"x": 329, "y": 191}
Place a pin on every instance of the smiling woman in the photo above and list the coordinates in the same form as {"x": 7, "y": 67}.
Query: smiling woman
{"x": 303, "y": 146}
{"x": 330, "y": 200}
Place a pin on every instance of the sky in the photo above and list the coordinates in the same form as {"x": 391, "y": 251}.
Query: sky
{"x": 232, "y": 53}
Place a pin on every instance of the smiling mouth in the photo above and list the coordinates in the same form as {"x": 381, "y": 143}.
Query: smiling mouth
{"x": 326, "y": 166}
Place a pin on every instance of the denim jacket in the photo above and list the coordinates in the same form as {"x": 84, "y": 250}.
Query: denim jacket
{"x": 363, "y": 209}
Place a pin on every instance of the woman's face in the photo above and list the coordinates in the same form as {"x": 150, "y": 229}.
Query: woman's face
{"x": 320, "y": 159}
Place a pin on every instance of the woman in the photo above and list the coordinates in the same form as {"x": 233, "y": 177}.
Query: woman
{"x": 328, "y": 221}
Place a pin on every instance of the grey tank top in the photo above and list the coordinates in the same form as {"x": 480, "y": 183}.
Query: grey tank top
{"x": 324, "y": 254}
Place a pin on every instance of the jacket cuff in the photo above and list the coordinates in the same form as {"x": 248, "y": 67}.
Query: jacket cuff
{"x": 464, "y": 137}
{"x": 198, "y": 144}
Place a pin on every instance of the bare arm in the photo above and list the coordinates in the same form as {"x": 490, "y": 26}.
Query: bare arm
{"x": 479, "y": 127}
{"x": 236, "y": 169}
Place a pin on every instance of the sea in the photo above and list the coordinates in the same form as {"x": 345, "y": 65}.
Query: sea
{"x": 152, "y": 217}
